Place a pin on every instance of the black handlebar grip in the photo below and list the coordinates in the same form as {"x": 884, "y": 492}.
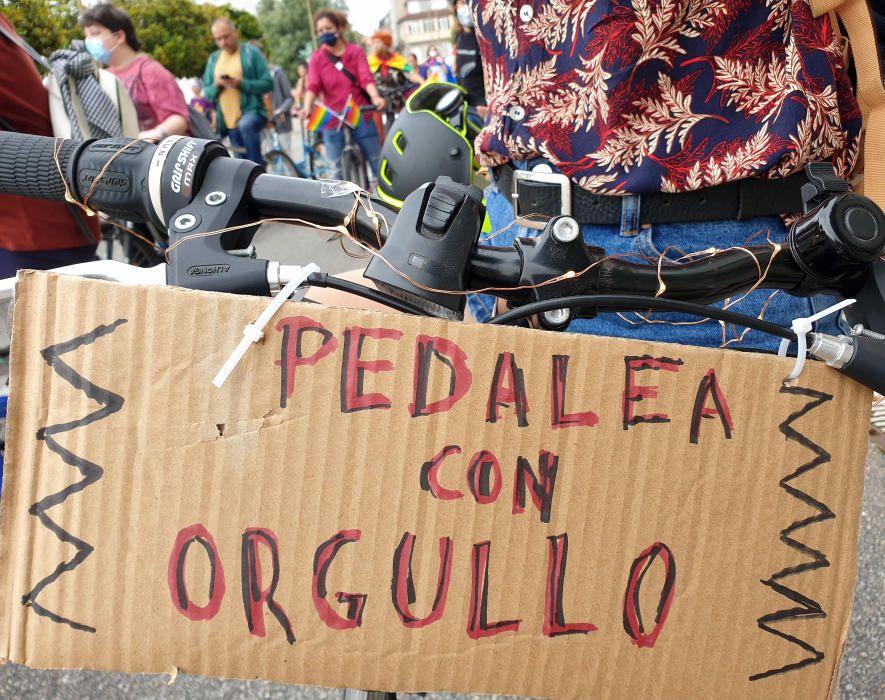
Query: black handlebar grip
{"x": 867, "y": 363}
{"x": 28, "y": 167}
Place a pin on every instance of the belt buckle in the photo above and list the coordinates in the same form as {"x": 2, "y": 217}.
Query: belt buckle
{"x": 565, "y": 189}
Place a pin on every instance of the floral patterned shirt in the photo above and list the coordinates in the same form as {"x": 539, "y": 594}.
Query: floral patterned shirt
{"x": 636, "y": 96}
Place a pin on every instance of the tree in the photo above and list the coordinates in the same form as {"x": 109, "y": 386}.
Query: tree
{"x": 46, "y": 25}
{"x": 175, "y": 32}
{"x": 178, "y": 32}
{"x": 287, "y": 29}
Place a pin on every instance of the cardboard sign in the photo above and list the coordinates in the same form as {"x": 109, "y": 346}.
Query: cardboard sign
{"x": 379, "y": 501}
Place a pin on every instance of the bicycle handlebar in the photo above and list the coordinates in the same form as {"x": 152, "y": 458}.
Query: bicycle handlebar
{"x": 28, "y": 166}
{"x": 190, "y": 187}
{"x": 142, "y": 181}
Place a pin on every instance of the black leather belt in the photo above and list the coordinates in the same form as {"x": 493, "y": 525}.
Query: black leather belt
{"x": 551, "y": 195}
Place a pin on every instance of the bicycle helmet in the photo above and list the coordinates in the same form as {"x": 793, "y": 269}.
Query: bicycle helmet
{"x": 432, "y": 136}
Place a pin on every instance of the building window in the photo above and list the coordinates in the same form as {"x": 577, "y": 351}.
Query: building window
{"x": 429, "y": 25}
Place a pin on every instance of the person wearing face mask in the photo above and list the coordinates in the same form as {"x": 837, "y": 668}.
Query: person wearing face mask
{"x": 389, "y": 67}
{"x": 393, "y": 75}
{"x": 434, "y": 68}
{"x": 236, "y": 79}
{"x": 159, "y": 103}
{"x": 468, "y": 61}
{"x": 336, "y": 71}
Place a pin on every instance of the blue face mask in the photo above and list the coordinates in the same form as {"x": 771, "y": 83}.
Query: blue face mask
{"x": 96, "y": 48}
{"x": 328, "y": 38}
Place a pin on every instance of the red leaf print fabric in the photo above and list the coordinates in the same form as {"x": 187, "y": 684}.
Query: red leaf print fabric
{"x": 637, "y": 96}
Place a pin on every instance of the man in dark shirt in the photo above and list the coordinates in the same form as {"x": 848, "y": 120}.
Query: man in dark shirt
{"x": 33, "y": 233}
{"x": 468, "y": 61}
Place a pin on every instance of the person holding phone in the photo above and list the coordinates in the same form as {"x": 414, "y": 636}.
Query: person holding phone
{"x": 236, "y": 79}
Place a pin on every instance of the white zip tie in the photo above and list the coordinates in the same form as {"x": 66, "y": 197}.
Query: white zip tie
{"x": 802, "y": 327}
{"x": 254, "y": 332}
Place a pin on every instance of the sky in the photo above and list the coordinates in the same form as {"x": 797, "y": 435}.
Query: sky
{"x": 363, "y": 14}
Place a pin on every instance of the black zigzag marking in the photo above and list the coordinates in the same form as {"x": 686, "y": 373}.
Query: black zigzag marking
{"x": 110, "y": 403}
{"x": 808, "y": 608}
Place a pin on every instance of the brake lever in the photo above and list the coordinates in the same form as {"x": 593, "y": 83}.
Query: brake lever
{"x": 210, "y": 262}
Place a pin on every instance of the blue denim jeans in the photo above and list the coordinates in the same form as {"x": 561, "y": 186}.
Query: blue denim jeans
{"x": 366, "y": 137}
{"x": 248, "y": 135}
{"x": 650, "y": 241}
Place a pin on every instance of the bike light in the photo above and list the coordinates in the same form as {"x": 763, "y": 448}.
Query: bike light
{"x": 837, "y": 240}
{"x": 430, "y": 246}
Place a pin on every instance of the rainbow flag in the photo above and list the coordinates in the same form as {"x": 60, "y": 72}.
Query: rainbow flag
{"x": 352, "y": 113}
{"x": 320, "y": 117}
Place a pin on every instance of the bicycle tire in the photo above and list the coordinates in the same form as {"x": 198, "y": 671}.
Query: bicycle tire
{"x": 278, "y": 162}
{"x": 319, "y": 168}
{"x": 139, "y": 253}
{"x": 353, "y": 167}
{"x": 134, "y": 251}
{"x": 349, "y": 694}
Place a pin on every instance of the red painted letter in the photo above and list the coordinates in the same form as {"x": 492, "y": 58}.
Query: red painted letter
{"x": 254, "y": 597}
{"x": 402, "y": 587}
{"x": 460, "y": 378}
{"x": 554, "y": 617}
{"x": 356, "y": 602}
{"x": 175, "y": 574}
{"x": 541, "y": 489}
{"x": 634, "y": 394}
{"x": 632, "y": 616}
{"x": 513, "y": 392}
{"x": 430, "y": 480}
{"x": 710, "y": 387}
{"x": 353, "y": 369}
{"x": 558, "y": 417}
{"x": 292, "y": 354}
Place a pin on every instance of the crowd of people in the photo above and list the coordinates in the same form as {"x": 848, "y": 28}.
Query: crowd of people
{"x": 622, "y": 120}
{"x": 240, "y": 94}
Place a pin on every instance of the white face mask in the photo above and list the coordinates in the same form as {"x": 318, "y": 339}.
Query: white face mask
{"x": 465, "y": 17}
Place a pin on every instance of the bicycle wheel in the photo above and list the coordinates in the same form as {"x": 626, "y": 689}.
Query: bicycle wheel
{"x": 319, "y": 169}
{"x": 350, "y": 694}
{"x": 279, "y": 163}
{"x": 133, "y": 250}
{"x": 139, "y": 253}
{"x": 353, "y": 167}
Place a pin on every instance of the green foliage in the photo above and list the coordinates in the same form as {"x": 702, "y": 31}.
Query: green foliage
{"x": 246, "y": 23}
{"x": 287, "y": 25}
{"x": 175, "y": 32}
{"x": 178, "y": 32}
{"x": 46, "y": 25}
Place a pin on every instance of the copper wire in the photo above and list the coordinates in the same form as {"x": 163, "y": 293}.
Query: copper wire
{"x": 131, "y": 232}
{"x": 69, "y": 198}
{"x": 362, "y": 199}
{"x": 104, "y": 168}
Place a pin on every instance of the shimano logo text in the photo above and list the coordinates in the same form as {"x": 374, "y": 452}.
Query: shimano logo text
{"x": 206, "y": 270}
{"x": 178, "y": 172}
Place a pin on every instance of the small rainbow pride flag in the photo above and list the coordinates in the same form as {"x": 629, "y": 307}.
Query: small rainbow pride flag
{"x": 352, "y": 113}
{"x": 320, "y": 117}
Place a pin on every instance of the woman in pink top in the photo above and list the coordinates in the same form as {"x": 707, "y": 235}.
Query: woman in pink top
{"x": 110, "y": 38}
{"x": 336, "y": 71}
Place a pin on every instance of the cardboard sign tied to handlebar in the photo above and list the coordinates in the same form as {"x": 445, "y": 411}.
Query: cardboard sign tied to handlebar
{"x": 379, "y": 501}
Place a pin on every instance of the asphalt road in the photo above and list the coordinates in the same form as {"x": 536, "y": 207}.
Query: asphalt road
{"x": 863, "y": 672}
